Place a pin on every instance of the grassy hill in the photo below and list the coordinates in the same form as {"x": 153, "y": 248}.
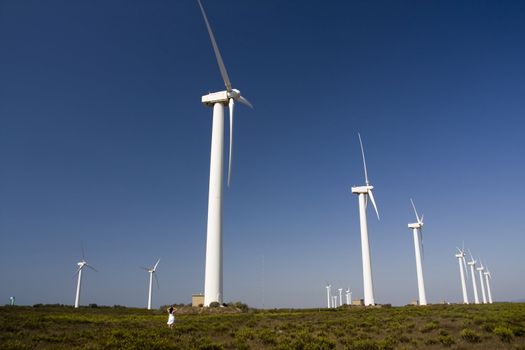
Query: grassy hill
{"x": 497, "y": 326}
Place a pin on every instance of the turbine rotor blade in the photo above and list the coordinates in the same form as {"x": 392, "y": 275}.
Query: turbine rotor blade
{"x": 82, "y": 247}
{"x": 156, "y": 264}
{"x": 415, "y": 211}
{"x": 373, "y": 203}
{"x": 420, "y": 232}
{"x": 76, "y": 273}
{"x": 91, "y": 267}
{"x": 156, "y": 279}
{"x": 243, "y": 100}
{"x": 222, "y": 68}
{"x": 231, "y": 105}
{"x": 364, "y": 160}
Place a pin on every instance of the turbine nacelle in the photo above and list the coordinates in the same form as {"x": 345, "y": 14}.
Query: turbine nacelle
{"x": 417, "y": 225}
{"x": 362, "y": 189}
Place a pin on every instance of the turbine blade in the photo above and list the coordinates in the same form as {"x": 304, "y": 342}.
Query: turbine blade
{"x": 91, "y": 267}
{"x": 373, "y": 203}
{"x": 415, "y": 211}
{"x": 471, "y": 257}
{"x": 156, "y": 279}
{"x": 364, "y": 160}
{"x": 420, "y": 232}
{"x": 82, "y": 247}
{"x": 459, "y": 250}
{"x": 144, "y": 268}
{"x": 156, "y": 264}
{"x": 76, "y": 273}
{"x": 243, "y": 100}
{"x": 231, "y": 108}
{"x": 222, "y": 68}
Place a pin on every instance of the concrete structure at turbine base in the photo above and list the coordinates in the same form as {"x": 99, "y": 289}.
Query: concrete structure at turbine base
{"x": 197, "y": 300}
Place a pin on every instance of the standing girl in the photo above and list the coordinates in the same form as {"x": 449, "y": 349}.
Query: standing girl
{"x": 171, "y": 317}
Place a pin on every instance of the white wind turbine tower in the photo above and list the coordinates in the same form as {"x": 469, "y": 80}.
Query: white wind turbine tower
{"x": 365, "y": 192}
{"x": 472, "y": 264}
{"x": 81, "y": 264}
{"x": 152, "y": 272}
{"x": 462, "y": 265}
{"x": 334, "y": 298}
{"x": 328, "y": 287}
{"x": 340, "y": 296}
{"x": 487, "y": 277}
{"x": 482, "y": 282}
{"x": 217, "y": 100}
{"x": 417, "y": 229}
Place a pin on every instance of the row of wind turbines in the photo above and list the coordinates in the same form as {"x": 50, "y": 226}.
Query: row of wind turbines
{"x": 82, "y": 264}
{"x": 332, "y": 299}
{"x": 484, "y": 278}
{"x": 364, "y": 193}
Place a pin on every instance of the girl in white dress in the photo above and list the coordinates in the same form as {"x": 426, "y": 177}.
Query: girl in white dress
{"x": 171, "y": 317}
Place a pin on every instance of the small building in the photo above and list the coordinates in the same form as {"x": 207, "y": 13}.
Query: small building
{"x": 414, "y": 302}
{"x": 197, "y": 300}
{"x": 358, "y": 302}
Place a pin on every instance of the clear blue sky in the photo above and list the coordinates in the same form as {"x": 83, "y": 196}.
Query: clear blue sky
{"x": 103, "y": 139}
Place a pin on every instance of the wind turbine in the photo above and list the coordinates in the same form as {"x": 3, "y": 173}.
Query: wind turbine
{"x": 488, "y": 277}
{"x": 334, "y": 298}
{"x": 340, "y": 296}
{"x": 348, "y": 297}
{"x": 417, "y": 229}
{"x": 152, "y": 272}
{"x": 328, "y": 287}
{"x": 472, "y": 264}
{"x": 365, "y": 192}
{"x": 481, "y": 280}
{"x": 213, "y": 275}
{"x": 462, "y": 265}
{"x": 81, "y": 265}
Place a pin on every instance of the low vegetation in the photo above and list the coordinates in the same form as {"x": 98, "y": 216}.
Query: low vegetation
{"x": 497, "y": 326}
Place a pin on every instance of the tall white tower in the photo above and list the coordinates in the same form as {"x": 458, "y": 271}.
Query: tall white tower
{"x": 213, "y": 275}
{"x": 417, "y": 231}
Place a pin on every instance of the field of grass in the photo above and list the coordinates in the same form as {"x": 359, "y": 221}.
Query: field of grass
{"x": 497, "y": 326}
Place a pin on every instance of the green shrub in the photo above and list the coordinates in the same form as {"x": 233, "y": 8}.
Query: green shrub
{"x": 470, "y": 336}
{"x": 446, "y": 340}
{"x": 504, "y": 333}
{"x": 429, "y": 327}
{"x": 215, "y": 304}
{"x": 364, "y": 344}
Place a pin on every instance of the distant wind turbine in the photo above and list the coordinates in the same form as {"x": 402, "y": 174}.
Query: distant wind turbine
{"x": 364, "y": 193}
{"x": 488, "y": 277}
{"x": 482, "y": 281}
{"x": 472, "y": 264}
{"x": 417, "y": 229}
{"x": 81, "y": 265}
{"x": 213, "y": 286}
{"x": 340, "y": 296}
{"x": 328, "y": 287}
{"x": 152, "y": 272}
{"x": 348, "y": 297}
{"x": 462, "y": 272}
